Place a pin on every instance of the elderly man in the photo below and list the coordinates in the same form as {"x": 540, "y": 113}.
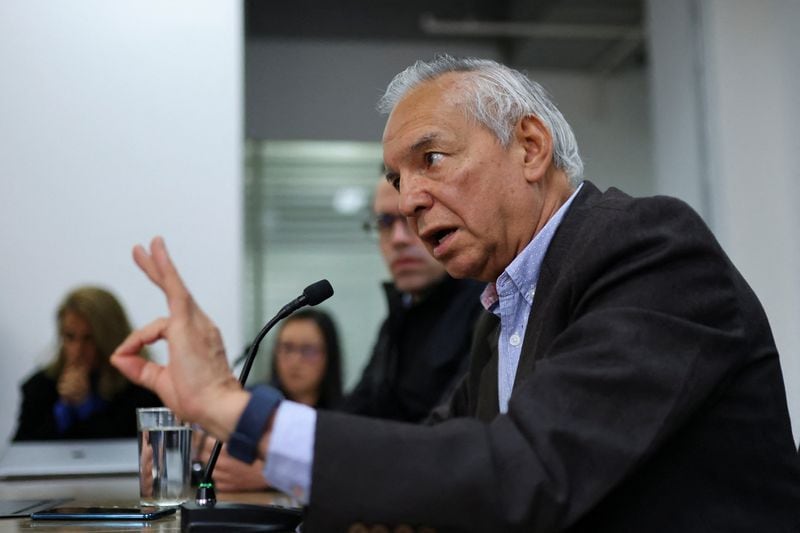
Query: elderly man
{"x": 423, "y": 345}
{"x": 624, "y": 379}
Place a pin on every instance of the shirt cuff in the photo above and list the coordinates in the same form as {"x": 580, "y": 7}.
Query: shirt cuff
{"x": 291, "y": 450}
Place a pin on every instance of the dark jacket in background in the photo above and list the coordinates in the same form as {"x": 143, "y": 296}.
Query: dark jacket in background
{"x": 117, "y": 420}
{"x": 422, "y": 350}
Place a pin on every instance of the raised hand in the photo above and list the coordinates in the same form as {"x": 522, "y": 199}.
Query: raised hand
{"x": 73, "y": 384}
{"x": 196, "y": 383}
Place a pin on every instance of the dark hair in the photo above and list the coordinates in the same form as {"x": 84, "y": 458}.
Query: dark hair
{"x": 330, "y": 392}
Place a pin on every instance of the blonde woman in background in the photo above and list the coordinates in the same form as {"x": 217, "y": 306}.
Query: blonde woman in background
{"x": 79, "y": 395}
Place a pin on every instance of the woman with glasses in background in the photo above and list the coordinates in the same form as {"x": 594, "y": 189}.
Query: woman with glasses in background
{"x": 306, "y": 360}
{"x": 307, "y": 368}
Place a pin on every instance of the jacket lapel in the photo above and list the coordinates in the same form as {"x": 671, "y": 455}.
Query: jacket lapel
{"x": 487, "y": 405}
{"x": 556, "y": 257}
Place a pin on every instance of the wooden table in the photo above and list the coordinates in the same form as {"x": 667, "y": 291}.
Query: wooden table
{"x": 102, "y": 490}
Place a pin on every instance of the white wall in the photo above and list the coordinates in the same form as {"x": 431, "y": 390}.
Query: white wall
{"x": 680, "y": 159}
{"x": 118, "y": 121}
{"x": 733, "y": 64}
{"x": 754, "y": 150}
{"x": 611, "y": 120}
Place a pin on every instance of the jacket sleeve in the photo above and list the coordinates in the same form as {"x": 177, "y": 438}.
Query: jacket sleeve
{"x": 462, "y": 401}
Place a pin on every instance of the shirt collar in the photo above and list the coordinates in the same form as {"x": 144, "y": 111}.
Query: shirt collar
{"x": 522, "y": 273}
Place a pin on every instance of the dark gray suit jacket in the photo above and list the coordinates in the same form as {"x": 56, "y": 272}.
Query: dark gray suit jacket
{"x": 648, "y": 398}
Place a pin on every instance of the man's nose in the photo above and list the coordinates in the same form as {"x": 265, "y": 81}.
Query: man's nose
{"x": 414, "y": 197}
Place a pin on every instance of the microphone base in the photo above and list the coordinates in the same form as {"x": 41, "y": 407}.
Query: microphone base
{"x": 205, "y": 495}
{"x": 227, "y": 516}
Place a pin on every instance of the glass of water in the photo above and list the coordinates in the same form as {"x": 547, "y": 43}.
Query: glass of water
{"x": 164, "y": 454}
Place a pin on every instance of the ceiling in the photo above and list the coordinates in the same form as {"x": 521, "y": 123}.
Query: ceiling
{"x": 601, "y": 36}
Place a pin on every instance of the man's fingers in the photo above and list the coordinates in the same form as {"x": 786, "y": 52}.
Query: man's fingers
{"x": 132, "y": 367}
{"x": 158, "y": 266}
{"x": 149, "y": 375}
{"x": 145, "y": 262}
{"x": 139, "y": 370}
{"x": 127, "y": 360}
{"x": 178, "y": 297}
{"x": 141, "y": 337}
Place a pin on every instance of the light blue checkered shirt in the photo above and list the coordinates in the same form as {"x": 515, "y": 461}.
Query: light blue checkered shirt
{"x": 511, "y": 299}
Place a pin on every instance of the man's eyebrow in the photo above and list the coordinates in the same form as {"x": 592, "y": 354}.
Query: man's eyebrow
{"x": 424, "y": 142}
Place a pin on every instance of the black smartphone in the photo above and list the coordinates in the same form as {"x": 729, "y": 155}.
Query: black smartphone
{"x": 102, "y": 513}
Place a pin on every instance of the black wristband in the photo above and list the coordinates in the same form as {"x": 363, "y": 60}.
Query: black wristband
{"x": 243, "y": 443}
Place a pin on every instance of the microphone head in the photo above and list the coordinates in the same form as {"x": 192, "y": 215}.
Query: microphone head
{"x": 318, "y": 292}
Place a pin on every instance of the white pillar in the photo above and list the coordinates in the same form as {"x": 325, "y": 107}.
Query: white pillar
{"x": 727, "y": 115}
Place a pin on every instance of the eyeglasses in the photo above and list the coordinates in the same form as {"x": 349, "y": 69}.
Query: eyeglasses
{"x": 382, "y": 223}
{"x": 308, "y": 352}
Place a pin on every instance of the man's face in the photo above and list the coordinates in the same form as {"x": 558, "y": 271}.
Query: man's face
{"x": 411, "y": 266}
{"x": 464, "y": 194}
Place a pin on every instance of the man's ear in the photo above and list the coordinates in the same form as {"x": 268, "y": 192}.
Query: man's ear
{"x": 537, "y": 145}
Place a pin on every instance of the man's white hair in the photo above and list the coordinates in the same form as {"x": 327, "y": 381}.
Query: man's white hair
{"x": 497, "y": 97}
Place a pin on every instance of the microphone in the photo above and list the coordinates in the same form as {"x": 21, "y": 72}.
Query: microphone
{"x": 314, "y": 294}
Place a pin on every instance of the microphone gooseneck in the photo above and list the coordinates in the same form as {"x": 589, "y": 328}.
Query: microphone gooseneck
{"x": 314, "y": 294}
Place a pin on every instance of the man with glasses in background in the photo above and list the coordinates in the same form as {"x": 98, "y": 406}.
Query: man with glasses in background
{"x": 423, "y": 344}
